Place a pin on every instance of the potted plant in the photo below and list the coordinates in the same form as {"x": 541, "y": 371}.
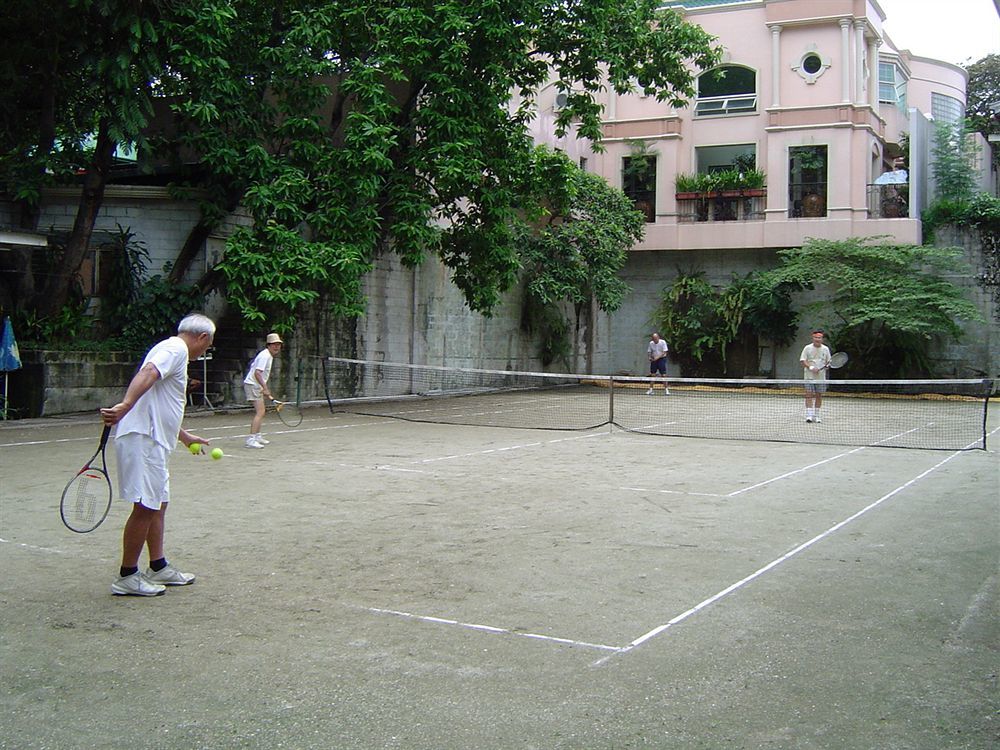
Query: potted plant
{"x": 754, "y": 183}
{"x": 688, "y": 185}
{"x": 729, "y": 183}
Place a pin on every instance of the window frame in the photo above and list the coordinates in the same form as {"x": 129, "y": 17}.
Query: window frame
{"x": 728, "y": 103}
{"x": 641, "y": 193}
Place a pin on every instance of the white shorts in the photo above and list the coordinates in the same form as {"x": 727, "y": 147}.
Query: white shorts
{"x": 254, "y": 392}
{"x": 142, "y": 470}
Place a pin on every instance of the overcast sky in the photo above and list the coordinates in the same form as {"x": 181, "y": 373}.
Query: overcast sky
{"x": 956, "y": 31}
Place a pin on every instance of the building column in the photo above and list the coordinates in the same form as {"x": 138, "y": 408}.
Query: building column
{"x": 775, "y": 66}
{"x": 873, "y": 73}
{"x": 859, "y": 62}
{"x": 845, "y": 60}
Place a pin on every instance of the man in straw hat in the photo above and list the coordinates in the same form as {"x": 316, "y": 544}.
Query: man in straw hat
{"x": 255, "y": 386}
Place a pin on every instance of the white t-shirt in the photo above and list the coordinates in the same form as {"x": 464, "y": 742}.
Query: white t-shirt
{"x": 815, "y": 356}
{"x": 159, "y": 411}
{"x": 262, "y": 361}
{"x": 657, "y": 349}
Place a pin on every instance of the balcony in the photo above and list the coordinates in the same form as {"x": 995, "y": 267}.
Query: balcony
{"x": 730, "y": 205}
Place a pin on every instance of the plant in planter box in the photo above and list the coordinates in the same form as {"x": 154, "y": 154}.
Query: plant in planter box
{"x": 729, "y": 182}
{"x": 688, "y": 185}
{"x": 753, "y": 180}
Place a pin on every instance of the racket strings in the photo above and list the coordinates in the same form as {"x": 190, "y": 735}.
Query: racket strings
{"x": 88, "y": 488}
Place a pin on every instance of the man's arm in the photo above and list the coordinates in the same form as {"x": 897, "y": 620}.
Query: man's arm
{"x": 142, "y": 382}
{"x": 259, "y": 377}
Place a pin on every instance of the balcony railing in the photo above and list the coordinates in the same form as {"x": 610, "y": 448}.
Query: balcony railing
{"x": 737, "y": 205}
{"x": 889, "y": 201}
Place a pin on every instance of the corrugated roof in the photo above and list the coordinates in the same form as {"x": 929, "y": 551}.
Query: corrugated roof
{"x": 692, "y": 4}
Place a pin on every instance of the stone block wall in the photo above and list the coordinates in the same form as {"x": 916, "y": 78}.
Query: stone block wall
{"x": 977, "y": 354}
{"x": 52, "y": 383}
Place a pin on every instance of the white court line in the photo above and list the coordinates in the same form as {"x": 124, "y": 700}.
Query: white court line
{"x": 775, "y": 563}
{"x": 34, "y": 547}
{"x": 792, "y": 473}
{"x": 490, "y": 629}
{"x": 672, "y": 492}
{"x": 786, "y": 475}
{"x": 488, "y": 451}
{"x": 206, "y": 430}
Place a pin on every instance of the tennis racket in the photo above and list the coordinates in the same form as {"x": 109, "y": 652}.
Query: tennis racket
{"x": 290, "y": 414}
{"x": 87, "y": 498}
{"x": 838, "y": 360}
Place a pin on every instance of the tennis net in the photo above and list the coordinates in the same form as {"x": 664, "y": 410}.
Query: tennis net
{"x": 933, "y": 414}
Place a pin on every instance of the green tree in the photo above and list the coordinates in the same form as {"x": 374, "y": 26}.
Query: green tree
{"x": 575, "y": 252}
{"x": 982, "y": 93}
{"x": 882, "y": 303}
{"x": 706, "y": 326}
{"x": 403, "y": 128}
{"x": 346, "y": 129}
{"x": 953, "y": 159}
{"x": 77, "y": 80}
{"x": 581, "y": 246}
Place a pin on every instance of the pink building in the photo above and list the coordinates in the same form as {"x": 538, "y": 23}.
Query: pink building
{"x": 813, "y": 94}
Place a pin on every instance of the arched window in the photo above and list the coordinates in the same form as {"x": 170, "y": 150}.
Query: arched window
{"x": 726, "y": 90}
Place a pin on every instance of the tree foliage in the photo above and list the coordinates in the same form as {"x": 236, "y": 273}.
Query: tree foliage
{"x": 402, "y": 128}
{"x": 581, "y": 247}
{"x": 574, "y": 253}
{"x": 705, "y": 325}
{"x": 78, "y": 82}
{"x": 883, "y": 303}
{"x": 982, "y": 92}
{"x": 346, "y": 128}
{"x": 953, "y": 159}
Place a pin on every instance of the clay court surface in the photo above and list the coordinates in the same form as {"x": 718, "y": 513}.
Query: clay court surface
{"x": 365, "y": 582}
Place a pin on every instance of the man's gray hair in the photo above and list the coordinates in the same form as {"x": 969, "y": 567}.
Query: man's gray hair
{"x": 197, "y": 324}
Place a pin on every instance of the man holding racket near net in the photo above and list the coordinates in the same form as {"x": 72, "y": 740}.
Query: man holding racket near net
{"x": 255, "y": 387}
{"x": 148, "y": 420}
{"x": 815, "y": 359}
{"x": 657, "y": 351}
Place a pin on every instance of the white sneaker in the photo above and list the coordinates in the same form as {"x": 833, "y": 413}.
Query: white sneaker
{"x": 168, "y": 576}
{"x": 809, "y": 419}
{"x": 666, "y": 391}
{"x": 817, "y": 419}
{"x": 260, "y": 439}
{"x": 136, "y": 585}
{"x": 649, "y": 392}
{"x": 252, "y": 443}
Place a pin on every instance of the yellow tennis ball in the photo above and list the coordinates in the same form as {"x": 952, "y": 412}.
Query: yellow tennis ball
{"x": 216, "y": 453}
{"x": 195, "y": 448}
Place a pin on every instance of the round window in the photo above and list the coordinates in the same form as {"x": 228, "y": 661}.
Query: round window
{"x": 812, "y": 64}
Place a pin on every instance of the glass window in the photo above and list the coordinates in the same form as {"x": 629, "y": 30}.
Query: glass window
{"x": 718, "y": 158}
{"x": 891, "y": 85}
{"x": 731, "y": 89}
{"x": 639, "y": 184}
{"x": 887, "y": 83}
{"x": 807, "y": 169}
{"x": 946, "y": 108}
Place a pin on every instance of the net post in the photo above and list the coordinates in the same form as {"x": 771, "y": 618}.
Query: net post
{"x": 326, "y": 384}
{"x": 989, "y": 386}
{"x": 611, "y": 402}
